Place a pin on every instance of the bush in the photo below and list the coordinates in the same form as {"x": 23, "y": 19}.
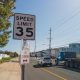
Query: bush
{"x": 1, "y": 60}
{"x": 6, "y": 59}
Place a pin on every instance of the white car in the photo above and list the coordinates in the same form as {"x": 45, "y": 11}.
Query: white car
{"x": 44, "y": 61}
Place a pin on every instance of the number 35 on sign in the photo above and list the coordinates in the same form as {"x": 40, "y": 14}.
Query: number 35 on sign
{"x": 24, "y": 26}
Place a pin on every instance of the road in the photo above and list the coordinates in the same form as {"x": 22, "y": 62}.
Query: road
{"x": 49, "y": 73}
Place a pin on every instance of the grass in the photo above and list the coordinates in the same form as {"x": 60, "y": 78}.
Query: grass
{"x": 5, "y": 59}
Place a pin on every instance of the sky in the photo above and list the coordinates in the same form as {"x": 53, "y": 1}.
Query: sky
{"x": 63, "y": 16}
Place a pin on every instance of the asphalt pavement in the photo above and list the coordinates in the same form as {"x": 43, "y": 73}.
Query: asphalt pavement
{"x": 49, "y": 73}
{"x": 11, "y": 71}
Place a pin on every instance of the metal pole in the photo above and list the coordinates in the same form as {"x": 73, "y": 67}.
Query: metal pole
{"x": 35, "y": 46}
{"x": 23, "y": 66}
{"x": 50, "y": 42}
{"x": 35, "y": 49}
{"x": 22, "y": 72}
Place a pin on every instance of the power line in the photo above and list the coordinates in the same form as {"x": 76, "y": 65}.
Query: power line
{"x": 67, "y": 21}
{"x": 67, "y": 43}
{"x": 71, "y": 17}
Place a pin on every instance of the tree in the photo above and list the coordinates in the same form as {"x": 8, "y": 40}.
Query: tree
{"x": 6, "y": 8}
{"x": 12, "y": 54}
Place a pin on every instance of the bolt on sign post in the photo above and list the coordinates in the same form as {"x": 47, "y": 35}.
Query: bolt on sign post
{"x": 24, "y": 29}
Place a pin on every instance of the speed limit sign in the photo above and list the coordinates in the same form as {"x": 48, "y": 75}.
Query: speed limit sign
{"x": 24, "y": 26}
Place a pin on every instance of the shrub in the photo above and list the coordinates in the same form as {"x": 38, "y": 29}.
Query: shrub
{"x": 6, "y": 59}
{"x": 1, "y": 60}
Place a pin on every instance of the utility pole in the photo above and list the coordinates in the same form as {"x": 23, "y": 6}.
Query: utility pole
{"x": 35, "y": 48}
{"x": 50, "y": 41}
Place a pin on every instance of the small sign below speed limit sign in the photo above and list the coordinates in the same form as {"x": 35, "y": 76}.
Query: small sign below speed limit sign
{"x": 24, "y": 26}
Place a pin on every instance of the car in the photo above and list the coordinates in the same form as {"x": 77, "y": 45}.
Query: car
{"x": 44, "y": 61}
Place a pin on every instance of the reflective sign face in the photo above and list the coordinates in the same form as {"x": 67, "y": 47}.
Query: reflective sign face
{"x": 24, "y": 26}
{"x": 25, "y": 56}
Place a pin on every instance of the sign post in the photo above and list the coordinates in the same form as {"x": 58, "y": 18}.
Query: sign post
{"x": 24, "y": 59}
{"x": 24, "y": 29}
{"x": 24, "y": 54}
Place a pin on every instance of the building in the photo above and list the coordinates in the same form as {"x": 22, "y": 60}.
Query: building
{"x": 47, "y": 52}
{"x": 73, "y": 47}
{"x": 2, "y": 55}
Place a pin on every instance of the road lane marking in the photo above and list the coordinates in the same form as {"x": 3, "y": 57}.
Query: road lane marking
{"x": 53, "y": 74}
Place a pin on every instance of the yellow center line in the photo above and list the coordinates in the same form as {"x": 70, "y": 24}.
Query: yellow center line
{"x": 53, "y": 74}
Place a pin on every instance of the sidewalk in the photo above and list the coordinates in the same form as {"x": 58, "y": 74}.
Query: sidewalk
{"x": 10, "y": 71}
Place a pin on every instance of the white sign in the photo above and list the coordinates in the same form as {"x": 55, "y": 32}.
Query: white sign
{"x": 24, "y": 26}
{"x": 25, "y": 57}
